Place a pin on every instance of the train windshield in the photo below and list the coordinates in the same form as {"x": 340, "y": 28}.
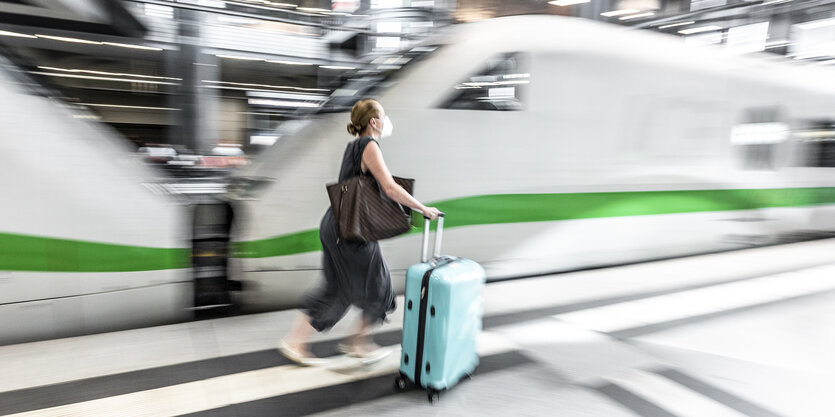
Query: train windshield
{"x": 369, "y": 82}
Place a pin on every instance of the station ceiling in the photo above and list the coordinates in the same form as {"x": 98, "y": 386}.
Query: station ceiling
{"x": 91, "y": 50}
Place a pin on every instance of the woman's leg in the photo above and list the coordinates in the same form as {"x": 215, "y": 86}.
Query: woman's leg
{"x": 361, "y": 341}
{"x": 321, "y": 308}
{"x": 377, "y": 300}
{"x": 299, "y": 337}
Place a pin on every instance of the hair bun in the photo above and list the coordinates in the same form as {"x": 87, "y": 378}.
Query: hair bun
{"x": 352, "y": 129}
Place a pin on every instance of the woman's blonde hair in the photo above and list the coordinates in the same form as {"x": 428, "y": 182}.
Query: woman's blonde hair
{"x": 362, "y": 112}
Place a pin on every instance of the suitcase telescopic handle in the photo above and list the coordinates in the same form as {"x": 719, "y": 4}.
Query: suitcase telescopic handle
{"x": 424, "y": 254}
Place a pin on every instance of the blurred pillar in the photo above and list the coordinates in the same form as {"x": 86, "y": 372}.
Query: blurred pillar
{"x": 593, "y": 9}
{"x": 194, "y": 125}
{"x": 779, "y": 29}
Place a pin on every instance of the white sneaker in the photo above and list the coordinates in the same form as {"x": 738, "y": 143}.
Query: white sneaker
{"x": 297, "y": 357}
{"x": 366, "y": 358}
{"x": 375, "y": 355}
{"x": 347, "y": 349}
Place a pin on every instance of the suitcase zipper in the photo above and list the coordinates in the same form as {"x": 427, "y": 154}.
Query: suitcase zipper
{"x": 424, "y": 300}
{"x": 421, "y": 325}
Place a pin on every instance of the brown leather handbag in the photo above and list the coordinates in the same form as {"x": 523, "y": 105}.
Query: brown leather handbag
{"x": 364, "y": 213}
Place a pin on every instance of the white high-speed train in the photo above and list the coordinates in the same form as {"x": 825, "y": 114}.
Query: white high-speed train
{"x": 551, "y": 143}
{"x": 554, "y": 144}
{"x": 85, "y": 245}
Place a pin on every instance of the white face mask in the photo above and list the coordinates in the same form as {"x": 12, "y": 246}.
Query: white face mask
{"x": 388, "y": 127}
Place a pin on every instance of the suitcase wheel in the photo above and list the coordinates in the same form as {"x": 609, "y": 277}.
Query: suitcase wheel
{"x": 400, "y": 383}
{"x": 433, "y": 396}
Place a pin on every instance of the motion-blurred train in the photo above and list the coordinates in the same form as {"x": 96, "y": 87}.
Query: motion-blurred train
{"x": 552, "y": 144}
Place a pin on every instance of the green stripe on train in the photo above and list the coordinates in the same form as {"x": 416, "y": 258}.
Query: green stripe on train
{"x": 521, "y": 208}
{"x": 34, "y": 253}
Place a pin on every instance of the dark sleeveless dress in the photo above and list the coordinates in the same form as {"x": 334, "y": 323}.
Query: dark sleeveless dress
{"x": 355, "y": 272}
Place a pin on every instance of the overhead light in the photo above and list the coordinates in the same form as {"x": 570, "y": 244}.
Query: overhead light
{"x": 241, "y": 58}
{"x": 280, "y": 103}
{"x": 389, "y": 27}
{"x": 491, "y": 83}
{"x": 118, "y": 74}
{"x": 567, "y": 2}
{"x": 127, "y": 45}
{"x": 816, "y": 134}
{"x": 391, "y": 60}
{"x": 271, "y": 3}
{"x": 614, "y": 13}
{"x": 286, "y": 87}
{"x": 287, "y": 95}
{"x": 84, "y": 41}
{"x": 699, "y": 29}
{"x": 237, "y": 20}
{"x": 65, "y": 39}
{"x": 258, "y": 89}
{"x": 265, "y": 140}
{"x": 672, "y": 25}
{"x": 15, "y": 34}
{"x": 120, "y": 106}
{"x": 88, "y": 77}
{"x": 290, "y": 63}
{"x": 226, "y": 87}
{"x": 154, "y": 10}
{"x": 775, "y": 2}
{"x": 638, "y": 16}
{"x": 312, "y": 10}
{"x": 336, "y": 67}
{"x": 206, "y": 3}
{"x": 212, "y": 3}
{"x": 816, "y": 24}
{"x": 759, "y": 133}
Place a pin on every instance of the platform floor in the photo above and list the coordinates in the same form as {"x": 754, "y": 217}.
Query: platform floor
{"x": 745, "y": 333}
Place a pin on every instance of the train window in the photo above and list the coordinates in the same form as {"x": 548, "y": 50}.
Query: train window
{"x": 757, "y": 140}
{"x": 816, "y": 143}
{"x": 820, "y": 152}
{"x": 499, "y": 86}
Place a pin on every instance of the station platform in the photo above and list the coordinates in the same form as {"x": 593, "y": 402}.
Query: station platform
{"x": 743, "y": 333}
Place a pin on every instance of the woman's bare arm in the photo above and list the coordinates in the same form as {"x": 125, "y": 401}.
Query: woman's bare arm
{"x": 372, "y": 158}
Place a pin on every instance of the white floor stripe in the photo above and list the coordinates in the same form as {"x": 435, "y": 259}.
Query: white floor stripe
{"x": 703, "y": 301}
{"x": 671, "y": 396}
{"x": 243, "y": 387}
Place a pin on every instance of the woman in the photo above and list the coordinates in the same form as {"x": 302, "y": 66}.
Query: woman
{"x": 355, "y": 272}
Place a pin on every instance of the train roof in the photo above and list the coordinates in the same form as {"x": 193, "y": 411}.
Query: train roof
{"x": 559, "y": 34}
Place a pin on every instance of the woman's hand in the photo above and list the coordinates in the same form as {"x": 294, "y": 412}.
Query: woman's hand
{"x": 431, "y": 212}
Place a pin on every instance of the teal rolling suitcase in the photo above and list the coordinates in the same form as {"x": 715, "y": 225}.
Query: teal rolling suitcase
{"x": 441, "y": 319}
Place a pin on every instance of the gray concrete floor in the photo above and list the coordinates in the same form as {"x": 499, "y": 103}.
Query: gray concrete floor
{"x": 650, "y": 340}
